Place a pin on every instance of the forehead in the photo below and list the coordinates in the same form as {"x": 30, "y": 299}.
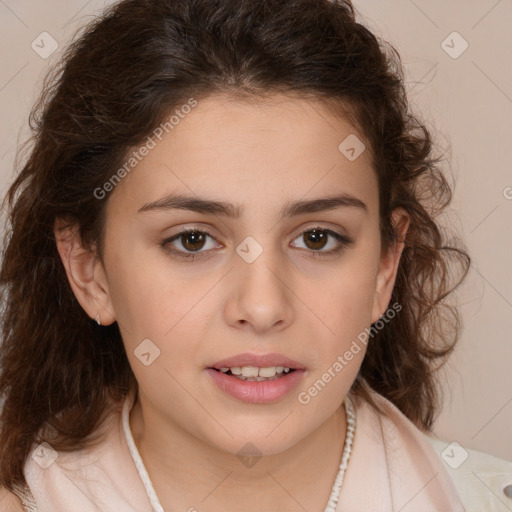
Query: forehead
{"x": 271, "y": 149}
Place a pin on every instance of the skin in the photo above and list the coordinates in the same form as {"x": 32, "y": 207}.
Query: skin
{"x": 260, "y": 156}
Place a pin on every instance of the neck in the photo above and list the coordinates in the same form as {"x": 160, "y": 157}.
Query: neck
{"x": 189, "y": 474}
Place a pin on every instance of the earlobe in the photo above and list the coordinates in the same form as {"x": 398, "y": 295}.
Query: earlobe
{"x": 85, "y": 272}
{"x": 388, "y": 266}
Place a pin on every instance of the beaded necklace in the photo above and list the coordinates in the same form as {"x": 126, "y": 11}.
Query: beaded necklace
{"x": 336, "y": 488}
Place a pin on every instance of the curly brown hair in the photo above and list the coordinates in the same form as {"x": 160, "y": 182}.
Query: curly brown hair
{"x": 123, "y": 73}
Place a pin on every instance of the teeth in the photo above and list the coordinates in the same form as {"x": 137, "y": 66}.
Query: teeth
{"x": 268, "y": 372}
{"x": 256, "y": 373}
{"x": 250, "y": 371}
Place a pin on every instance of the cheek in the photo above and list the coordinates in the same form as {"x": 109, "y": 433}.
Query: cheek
{"x": 344, "y": 298}
{"x": 344, "y": 305}
{"x": 146, "y": 299}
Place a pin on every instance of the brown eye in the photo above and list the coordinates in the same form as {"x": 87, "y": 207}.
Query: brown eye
{"x": 190, "y": 243}
{"x": 315, "y": 239}
{"x": 322, "y": 242}
{"x": 193, "y": 240}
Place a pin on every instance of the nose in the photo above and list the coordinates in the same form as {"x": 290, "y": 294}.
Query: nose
{"x": 259, "y": 298}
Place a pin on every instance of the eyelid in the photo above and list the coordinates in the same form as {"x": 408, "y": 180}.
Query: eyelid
{"x": 322, "y": 227}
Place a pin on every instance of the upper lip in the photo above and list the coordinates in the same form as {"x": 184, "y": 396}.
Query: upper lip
{"x": 259, "y": 360}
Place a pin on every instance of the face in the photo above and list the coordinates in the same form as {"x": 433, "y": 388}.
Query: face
{"x": 271, "y": 275}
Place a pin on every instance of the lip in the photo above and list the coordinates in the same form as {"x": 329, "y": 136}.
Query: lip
{"x": 259, "y": 360}
{"x": 256, "y": 392}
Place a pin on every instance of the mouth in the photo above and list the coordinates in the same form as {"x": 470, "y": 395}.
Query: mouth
{"x": 255, "y": 373}
{"x": 256, "y": 367}
{"x": 257, "y": 378}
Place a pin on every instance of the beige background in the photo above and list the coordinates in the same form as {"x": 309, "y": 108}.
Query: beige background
{"x": 469, "y": 101}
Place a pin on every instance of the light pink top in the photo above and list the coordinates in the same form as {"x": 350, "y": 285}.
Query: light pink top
{"x": 392, "y": 468}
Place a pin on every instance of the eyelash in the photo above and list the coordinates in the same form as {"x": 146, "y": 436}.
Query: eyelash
{"x": 344, "y": 241}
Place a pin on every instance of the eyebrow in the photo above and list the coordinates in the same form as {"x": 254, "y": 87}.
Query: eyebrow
{"x": 291, "y": 208}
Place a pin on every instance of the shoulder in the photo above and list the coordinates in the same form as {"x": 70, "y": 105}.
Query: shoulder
{"x": 9, "y": 502}
{"x": 483, "y": 481}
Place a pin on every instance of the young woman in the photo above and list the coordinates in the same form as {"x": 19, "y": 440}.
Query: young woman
{"x": 224, "y": 280}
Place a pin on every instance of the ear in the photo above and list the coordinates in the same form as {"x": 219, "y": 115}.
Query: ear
{"x": 388, "y": 266}
{"x": 85, "y": 272}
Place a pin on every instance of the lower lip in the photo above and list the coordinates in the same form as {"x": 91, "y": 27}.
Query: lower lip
{"x": 256, "y": 392}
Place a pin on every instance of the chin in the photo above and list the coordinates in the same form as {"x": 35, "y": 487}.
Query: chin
{"x": 258, "y": 439}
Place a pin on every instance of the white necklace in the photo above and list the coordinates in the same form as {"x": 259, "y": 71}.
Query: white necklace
{"x": 336, "y": 488}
